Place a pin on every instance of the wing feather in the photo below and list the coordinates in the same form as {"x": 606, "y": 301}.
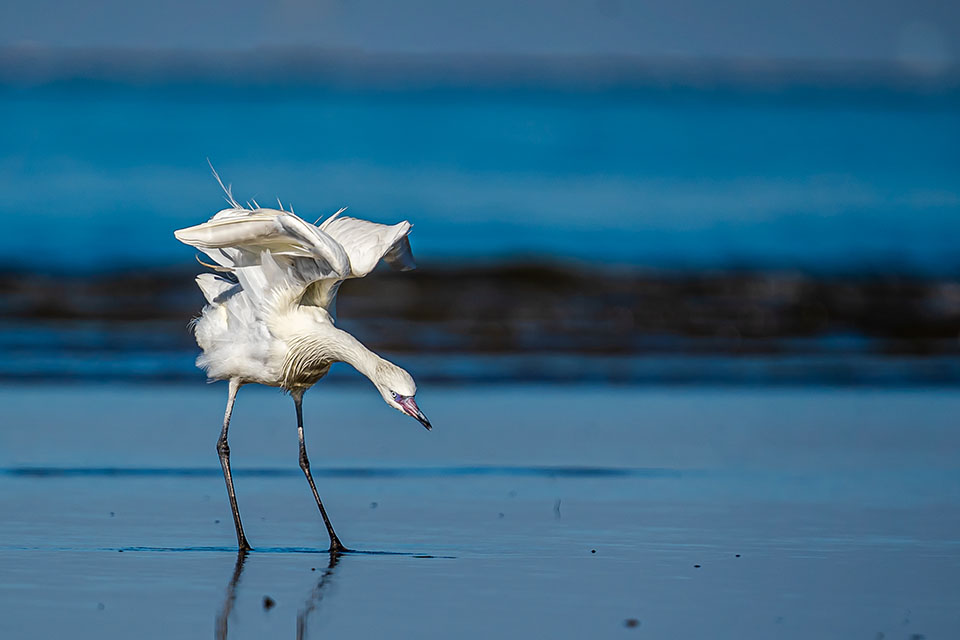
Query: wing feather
{"x": 366, "y": 243}
{"x": 280, "y": 260}
{"x": 216, "y": 288}
{"x": 261, "y": 230}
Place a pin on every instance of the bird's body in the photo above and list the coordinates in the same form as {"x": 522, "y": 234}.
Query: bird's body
{"x": 270, "y": 313}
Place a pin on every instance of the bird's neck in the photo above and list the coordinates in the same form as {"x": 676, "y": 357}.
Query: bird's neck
{"x": 348, "y": 349}
{"x": 313, "y": 352}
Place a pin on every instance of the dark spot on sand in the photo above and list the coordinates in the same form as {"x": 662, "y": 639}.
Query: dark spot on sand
{"x": 373, "y": 505}
{"x": 593, "y": 550}
{"x": 216, "y": 522}
{"x": 631, "y": 623}
{"x": 313, "y": 568}
{"x": 696, "y": 566}
{"x": 101, "y": 606}
{"x": 738, "y": 555}
{"x": 119, "y": 550}
{"x": 268, "y": 603}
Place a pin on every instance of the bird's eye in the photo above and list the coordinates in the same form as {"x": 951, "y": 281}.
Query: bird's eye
{"x": 396, "y": 396}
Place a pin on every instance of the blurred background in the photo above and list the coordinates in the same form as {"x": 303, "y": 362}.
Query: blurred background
{"x": 605, "y": 191}
{"x": 686, "y": 322}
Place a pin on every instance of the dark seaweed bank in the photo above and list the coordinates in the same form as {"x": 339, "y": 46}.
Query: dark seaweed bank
{"x": 525, "y": 322}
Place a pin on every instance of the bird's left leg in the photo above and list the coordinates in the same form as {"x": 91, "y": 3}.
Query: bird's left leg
{"x": 223, "y": 450}
{"x": 335, "y": 545}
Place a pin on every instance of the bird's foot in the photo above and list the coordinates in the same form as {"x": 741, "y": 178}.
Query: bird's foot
{"x": 337, "y": 547}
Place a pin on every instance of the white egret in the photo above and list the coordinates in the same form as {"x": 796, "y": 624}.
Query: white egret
{"x": 269, "y": 318}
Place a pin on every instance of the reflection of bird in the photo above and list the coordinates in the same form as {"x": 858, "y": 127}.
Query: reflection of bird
{"x": 313, "y": 601}
{"x": 270, "y": 314}
{"x": 220, "y": 631}
{"x": 316, "y": 595}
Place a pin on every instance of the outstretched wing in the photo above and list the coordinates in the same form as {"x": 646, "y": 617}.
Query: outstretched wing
{"x": 366, "y": 243}
{"x": 280, "y": 260}
{"x": 274, "y": 254}
{"x": 236, "y": 237}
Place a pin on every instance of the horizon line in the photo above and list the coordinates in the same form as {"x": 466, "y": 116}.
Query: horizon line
{"x": 23, "y": 63}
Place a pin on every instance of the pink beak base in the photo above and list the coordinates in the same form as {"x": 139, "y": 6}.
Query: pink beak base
{"x": 411, "y": 409}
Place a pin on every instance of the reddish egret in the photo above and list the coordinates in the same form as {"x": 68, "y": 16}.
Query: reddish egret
{"x": 269, "y": 318}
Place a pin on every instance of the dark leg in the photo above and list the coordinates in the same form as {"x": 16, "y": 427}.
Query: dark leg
{"x": 224, "y": 450}
{"x": 335, "y": 545}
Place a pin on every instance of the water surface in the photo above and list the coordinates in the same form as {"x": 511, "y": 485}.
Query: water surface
{"x": 722, "y": 513}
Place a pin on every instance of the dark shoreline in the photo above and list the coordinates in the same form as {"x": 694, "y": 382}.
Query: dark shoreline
{"x": 523, "y": 307}
{"x": 518, "y": 321}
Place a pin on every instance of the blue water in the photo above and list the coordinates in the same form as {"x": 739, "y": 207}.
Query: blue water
{"x": 529, "y": 511}
{"x": 96, "y": 175}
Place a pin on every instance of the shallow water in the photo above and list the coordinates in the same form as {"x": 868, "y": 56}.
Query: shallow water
{"x": 842, "y": 506}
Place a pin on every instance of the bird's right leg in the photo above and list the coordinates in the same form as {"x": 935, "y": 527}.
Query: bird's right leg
{"x": 223, "y": 449}
{"x": 335, "y": 545}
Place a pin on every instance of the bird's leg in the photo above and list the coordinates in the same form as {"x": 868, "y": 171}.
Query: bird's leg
{"x": 335, "y": 545}
{"x": 223, "y": 449}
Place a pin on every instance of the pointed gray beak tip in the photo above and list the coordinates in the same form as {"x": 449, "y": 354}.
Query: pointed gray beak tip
{"x": 423, "y": 420}
{"x": 411, "y": 409}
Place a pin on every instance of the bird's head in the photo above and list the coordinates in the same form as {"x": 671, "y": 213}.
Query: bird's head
{"x": 398, "y": 388}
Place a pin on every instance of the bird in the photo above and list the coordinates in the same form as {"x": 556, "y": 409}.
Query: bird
{"x": 269, "y": 317}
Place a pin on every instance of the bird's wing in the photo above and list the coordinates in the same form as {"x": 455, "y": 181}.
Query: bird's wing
{"x": 234, "y": 236}
{"x": 366, "y": 243}
{"x": 216, "y": 288}
{"x": 275, "y": 255}
{"x": 281, "y": 260}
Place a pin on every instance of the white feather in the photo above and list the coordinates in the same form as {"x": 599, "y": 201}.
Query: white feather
{"x": 287, "y": 274}
{"x": 214, "y": 287}
{"x": 366, "y": 243}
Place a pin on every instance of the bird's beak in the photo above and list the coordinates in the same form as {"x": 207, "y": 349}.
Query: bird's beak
{"x": 411, "y": 409}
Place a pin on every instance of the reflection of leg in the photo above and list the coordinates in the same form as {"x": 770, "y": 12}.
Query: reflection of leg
{"x": 224, "y": 450}
{"x": 221, "y": 627}
{"x": 316, "y": 595}
{"x": 335, "y": 544}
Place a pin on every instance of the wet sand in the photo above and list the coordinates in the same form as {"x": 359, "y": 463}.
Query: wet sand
{"x": 529, "y": 511}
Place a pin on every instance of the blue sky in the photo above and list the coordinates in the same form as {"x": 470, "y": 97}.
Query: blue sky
{"x": 922, "y": 33}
